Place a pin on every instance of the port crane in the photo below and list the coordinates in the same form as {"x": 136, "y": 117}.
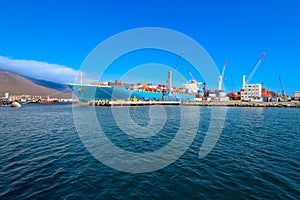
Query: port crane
{"x": 170, "y": 77}
{"x": 281, "y": 87}
{"x": 221, "y": 78}
{"x": 255, "y": 67}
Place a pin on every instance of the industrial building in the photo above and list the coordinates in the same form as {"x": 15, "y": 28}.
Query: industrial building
{"x": 252, "y": 92}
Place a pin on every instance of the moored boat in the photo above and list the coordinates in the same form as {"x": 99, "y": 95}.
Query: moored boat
{"x": 47, "y": 101}
{"x": 51, "y": 101}
{"x": 15, "y": 105}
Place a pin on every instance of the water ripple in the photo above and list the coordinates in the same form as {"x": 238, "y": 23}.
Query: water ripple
{"x": 256, "y": 157}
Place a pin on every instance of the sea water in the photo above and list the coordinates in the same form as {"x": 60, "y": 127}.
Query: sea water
{"x": 256, "y": 155}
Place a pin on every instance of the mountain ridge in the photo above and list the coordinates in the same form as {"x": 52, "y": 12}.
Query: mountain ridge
{"x": 17, "y": 84}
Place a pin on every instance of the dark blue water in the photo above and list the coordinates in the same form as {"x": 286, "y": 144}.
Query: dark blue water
{"x": 257, "y": 156}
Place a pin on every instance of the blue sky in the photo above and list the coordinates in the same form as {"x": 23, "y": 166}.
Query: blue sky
{"x": 62, "y": 33}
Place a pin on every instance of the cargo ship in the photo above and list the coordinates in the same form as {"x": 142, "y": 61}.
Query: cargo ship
{"x": 141, "y": 91}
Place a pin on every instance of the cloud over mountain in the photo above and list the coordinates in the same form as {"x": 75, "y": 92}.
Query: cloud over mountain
{"x": 39, "y": 70}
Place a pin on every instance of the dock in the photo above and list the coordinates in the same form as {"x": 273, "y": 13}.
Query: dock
{"x": 134, "y": 103}
{"x": 246, "y": 104}
{"x": 202, "y": 103}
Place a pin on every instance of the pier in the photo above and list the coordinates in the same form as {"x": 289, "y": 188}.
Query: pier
{"x": 246, "y": 104}
{"x": 134, "y": 103}
{"x": 202, "y": 103}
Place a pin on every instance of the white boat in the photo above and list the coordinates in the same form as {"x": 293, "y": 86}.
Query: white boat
{"x": 15, "y": 105}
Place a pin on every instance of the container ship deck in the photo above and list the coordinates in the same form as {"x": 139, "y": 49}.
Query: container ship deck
{"x": 141, "y": 91}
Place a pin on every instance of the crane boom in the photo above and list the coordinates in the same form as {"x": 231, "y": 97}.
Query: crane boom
{"x": 178, "y": 60}
{"x": 223, "y": 72}
{"x": 170, "y": 77}
{"x": 255, "y": 67}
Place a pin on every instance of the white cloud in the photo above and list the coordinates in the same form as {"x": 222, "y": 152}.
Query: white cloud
{"x": 39, "y": 70}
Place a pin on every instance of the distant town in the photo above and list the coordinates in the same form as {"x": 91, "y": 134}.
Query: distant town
{"x": 7, "y": 99}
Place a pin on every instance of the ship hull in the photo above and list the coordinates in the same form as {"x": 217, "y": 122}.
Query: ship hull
{"x": 96, "y": 92}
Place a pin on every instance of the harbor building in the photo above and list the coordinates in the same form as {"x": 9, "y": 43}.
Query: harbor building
{"x": 6, "y": 95}
{"x": 252, "y": 92}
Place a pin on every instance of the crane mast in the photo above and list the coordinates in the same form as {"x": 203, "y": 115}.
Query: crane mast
{"x": 255, "y": 67}
{"x": 221, "y": 78}
{"x": 223, "y": 71}
{"x": 281, "y": 87}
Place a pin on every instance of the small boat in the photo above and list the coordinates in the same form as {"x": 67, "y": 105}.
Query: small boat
{"x": 47, "y": 101}
{"x": 15, "y": 105}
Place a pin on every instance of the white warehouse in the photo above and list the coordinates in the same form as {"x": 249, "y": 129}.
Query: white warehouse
{"x": 252, "y": 92}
